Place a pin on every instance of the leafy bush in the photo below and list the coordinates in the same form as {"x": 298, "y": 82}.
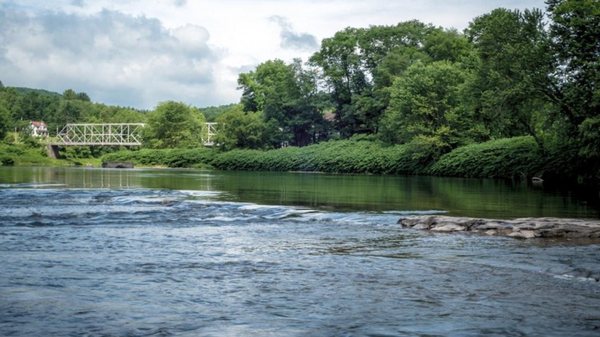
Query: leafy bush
{"x": 6, "y": 161}
{"x": 502, "y": 158}
{"x": 345, "y": 156}
{"x": 163, "y": 157}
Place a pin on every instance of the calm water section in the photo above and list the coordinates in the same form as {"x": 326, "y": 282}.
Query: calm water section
{"x": 90, "y": 252}
{"x": 462, "y": 197}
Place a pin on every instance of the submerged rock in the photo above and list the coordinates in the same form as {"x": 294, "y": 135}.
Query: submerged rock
{"x": 522, "y": 228}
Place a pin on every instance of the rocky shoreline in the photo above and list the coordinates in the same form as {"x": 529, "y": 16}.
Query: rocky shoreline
{"x": 522, "y": 228}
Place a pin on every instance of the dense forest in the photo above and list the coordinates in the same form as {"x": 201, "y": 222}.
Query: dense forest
{"x": 530, "y": 76}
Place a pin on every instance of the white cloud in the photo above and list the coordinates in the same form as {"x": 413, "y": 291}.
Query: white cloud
{"x": 292, "y": 39}
{"x": 115, "y": 57}
{"x": 136, "y": 52}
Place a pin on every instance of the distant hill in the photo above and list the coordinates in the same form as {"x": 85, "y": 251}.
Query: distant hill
{"x": 24, "y": 91}
{"x": 212, "y": 112}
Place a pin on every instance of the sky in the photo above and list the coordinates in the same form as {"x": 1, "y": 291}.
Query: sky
{"x": 138, "y": 53}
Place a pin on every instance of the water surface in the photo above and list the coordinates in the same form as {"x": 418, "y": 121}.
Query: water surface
{"x": 192, "y": 253}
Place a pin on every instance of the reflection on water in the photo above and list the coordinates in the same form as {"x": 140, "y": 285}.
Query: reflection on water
{"x": 469, "y": 197}
{"x": 193, "y": 262}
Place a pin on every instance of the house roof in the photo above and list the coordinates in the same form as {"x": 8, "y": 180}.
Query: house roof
{"x": 38, "y": 124}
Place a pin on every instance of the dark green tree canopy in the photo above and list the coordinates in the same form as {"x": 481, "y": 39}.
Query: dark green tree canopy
{"x": 287, "y": 96}
{"x": 174, "y": 124}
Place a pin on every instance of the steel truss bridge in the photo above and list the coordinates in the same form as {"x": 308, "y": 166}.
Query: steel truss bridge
{"x": 115, "y": 134}
{"x": 112, "y": 134}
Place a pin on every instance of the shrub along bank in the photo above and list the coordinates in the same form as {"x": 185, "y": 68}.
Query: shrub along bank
{"x": 198, "y": 157}
{"x": 504, "y": 158}
{"x": 25, "y": 155}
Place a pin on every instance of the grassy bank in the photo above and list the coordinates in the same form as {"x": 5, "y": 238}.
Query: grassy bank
{"x": 25, "y": 155}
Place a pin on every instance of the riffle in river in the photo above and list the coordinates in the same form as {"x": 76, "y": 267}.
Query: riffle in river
{"x": 186, "y": 261}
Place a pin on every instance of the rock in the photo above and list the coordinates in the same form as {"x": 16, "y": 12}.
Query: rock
{"x": 116, "y": 164}
{"x": 526, "y": 234}
{"x": 451, "y": 227}
{"x": 522, "y": 228}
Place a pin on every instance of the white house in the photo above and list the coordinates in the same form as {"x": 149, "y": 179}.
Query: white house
{"x": 38, "y": 129}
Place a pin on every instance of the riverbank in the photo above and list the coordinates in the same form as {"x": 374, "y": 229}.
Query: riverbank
{"x": 497, "y": 159}
{"x": 513, "y": 158}
{"x": 521, "y": 228}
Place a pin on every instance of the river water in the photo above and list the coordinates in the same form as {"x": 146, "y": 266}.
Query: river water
{"x": 89, "y": 252}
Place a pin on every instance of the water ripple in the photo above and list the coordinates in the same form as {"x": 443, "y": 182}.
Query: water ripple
{"x": 138, "y": 262}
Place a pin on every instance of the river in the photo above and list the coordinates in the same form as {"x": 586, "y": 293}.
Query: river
{"x": 91, "y": 252}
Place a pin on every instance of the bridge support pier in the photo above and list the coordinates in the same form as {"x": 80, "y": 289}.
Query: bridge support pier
{"x": 52, "y": 151}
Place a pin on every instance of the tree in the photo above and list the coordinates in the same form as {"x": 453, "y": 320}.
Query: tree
{"x": 426, "y": 101}
{"x": 174, "y": 124}
{"x": 359, "y": 65}
{"x": 344, "y": 75}
{"x": 5, "y": 121}
{"x": 288, "y": 98}
{"x": 574, "y": 30}
{"x": 241, "y": 129}
{"x": 507, "y": 95}
{"x": 70, "y": 94}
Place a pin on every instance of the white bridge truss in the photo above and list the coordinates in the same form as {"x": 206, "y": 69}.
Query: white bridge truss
{"x": 119, "y": 134}
{"x": 208, "y": 137}
{"x": 116, "y": 134}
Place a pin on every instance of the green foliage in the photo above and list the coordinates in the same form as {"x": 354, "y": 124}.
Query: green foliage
{"x": 345, "y": 156}
{"x": 241, "y": 129}
{"x": 211, "y": 113}
{"x": 200, "y": 157}
{"x": 21, "y": 155}
{"x": 574, "y": 30}
{"x": 507, "y": 93}
{"x": 5, "y": 122}
{"x": 359, "y": 66}
{"x": 426, "y": 102}
{"x": 287, "y": 96}
{"x": 76, "y": 152}
{"x": 174, "y": 124}
{"x": 502, "y": 158}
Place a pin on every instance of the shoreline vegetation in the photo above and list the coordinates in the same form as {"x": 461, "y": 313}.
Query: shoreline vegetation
{"x": 509, "y": 158}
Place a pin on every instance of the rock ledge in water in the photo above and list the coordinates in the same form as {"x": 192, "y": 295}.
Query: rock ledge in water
{"x": 522, "y": 228}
